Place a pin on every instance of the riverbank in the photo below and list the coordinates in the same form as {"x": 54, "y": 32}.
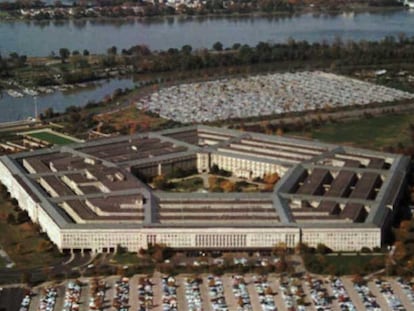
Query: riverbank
{"x": 351, "y": 8}
{"x": 153, "y": 11}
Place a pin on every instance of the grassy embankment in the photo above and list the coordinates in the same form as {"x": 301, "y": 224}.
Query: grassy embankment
{"x": 22, "y": 242}
{"x": 344, "y": 264}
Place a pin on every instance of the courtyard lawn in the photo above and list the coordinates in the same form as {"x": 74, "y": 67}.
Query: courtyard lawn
{"x": 373, "y": 133}
{"x": 51, "y": 138}
{"x": 188, "y": 185}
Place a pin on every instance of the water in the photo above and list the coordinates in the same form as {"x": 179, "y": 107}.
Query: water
{"x": 13, "y": 109}
{"x": 40, "y": 38}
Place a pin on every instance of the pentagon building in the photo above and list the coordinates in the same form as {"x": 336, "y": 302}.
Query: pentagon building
{"x": 92, "y": 196}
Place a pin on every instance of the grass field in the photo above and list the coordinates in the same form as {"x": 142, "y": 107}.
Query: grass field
{"x": 373, "y": 133}
{"x": 126, "y": 258}
{"x": 21, "y": 241}
{"x": 343, "y": 264}
{"x": 51, "y": 138}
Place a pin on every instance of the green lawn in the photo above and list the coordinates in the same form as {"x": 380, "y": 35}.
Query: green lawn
{"x": 51, "y": 138}
{"x": 343, "y": 264}
{"x": 126, "y": 258}
{"x": 374, "y": 133}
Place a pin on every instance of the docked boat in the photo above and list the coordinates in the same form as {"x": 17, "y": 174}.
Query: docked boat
{"x": 30, "y": 92}
{"x": 14, "y": 93}
{"x": 409, "y": 4}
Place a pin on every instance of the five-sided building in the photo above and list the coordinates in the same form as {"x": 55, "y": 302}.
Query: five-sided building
{"x": 93, "y": 196}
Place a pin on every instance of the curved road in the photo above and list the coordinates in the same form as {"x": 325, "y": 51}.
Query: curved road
{"x": 67, "y": 264}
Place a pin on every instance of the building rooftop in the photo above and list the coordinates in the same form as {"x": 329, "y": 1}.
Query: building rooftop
{"x": 97, "y": 183}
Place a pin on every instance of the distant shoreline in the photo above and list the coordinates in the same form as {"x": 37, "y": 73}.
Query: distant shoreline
{"x": 255, "y": 14}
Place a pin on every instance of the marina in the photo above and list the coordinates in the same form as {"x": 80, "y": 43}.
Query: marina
{"x": 19, "y": 103}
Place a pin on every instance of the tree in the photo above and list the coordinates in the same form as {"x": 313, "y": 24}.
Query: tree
{"x": 22, "y": 217}
{"x": 228, "y": 186}
{"x": 159, "y": 182}
{"x": 26, "y": 277}
{"x": 11, "y": 219}
{"x": 186, "y": 49}
{"x": 271, "y": 178}
{"x": 44, "y": 246}
{"x": 64, "y": 54}
{"x": 49, "y": 113}
{"x": 120, "y": 249}
{"x": 85, "y": 52}
{"x": 218, "y": 46}
{"x": 112, "y": 50}
{"x": 323, "y": 249}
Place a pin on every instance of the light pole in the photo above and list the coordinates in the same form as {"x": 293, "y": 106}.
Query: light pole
{"x": 35, "y": 104}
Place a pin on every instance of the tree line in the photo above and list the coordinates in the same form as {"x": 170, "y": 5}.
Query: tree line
{"x": 140, "y": 59}
{"x": 339, "y": 53}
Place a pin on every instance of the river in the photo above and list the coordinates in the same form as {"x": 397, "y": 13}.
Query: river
{"x": 41, "y": 38}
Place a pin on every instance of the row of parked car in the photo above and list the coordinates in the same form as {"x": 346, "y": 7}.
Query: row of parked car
{"x": 72, "y": 296}
{"x": 239, "y": 288}
{"x": 97, "y": 290}
{"x": 387, "y": 291}
{"x": 216, "y": 293}
{"x": 169, "y": 294}
{"x": 368, "y": 299}
{"x": 121, "y": 300}
{"x": 25, "y": 304}
{"x": 408, "y": 288}
{"x": 292, "y": 294}
{"x": 145, "y": 294}
{"x": 193, "y": 294}
{"x": 340, "y": 293}
{"x": 319, "y": 294}
{"x": 48, "y": 299}
{"x": 265, "y": 293}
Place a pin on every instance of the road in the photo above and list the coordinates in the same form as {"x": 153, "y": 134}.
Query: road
{"x": 64, "y": 266}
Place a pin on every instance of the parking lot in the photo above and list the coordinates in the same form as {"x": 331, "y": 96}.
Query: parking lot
{"x": 264, "y": 95}
{"x": 211, "y": 292}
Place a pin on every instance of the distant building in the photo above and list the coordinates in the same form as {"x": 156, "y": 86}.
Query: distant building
{"x": 88, "y": 196}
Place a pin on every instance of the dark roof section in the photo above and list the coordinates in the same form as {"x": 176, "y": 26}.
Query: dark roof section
{"x": 313, "y": 184}
{"x": 365, "y": 187}
{"x": 341, "y": 185}
{"x": 354, "y": 212}
{"x": 329, "y": 206}
{"x": 58, "y": 186}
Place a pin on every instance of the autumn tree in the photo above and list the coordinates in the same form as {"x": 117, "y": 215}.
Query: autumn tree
{"x": 228, "y": 186}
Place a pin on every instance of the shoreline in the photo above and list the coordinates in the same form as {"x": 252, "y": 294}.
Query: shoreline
{"x": 255, "y": 14}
